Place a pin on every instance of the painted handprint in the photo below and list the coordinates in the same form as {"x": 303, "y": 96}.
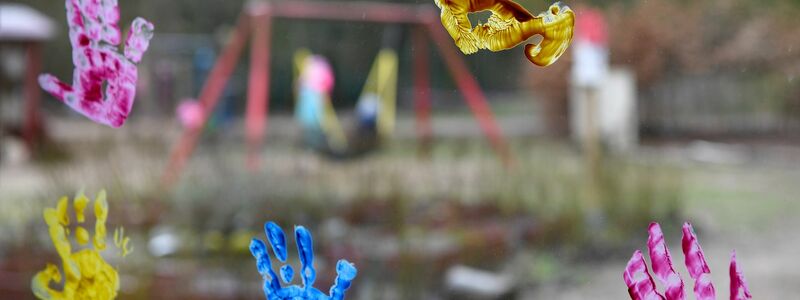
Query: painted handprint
{"x": 345, "y": 270}
{"x": 509, "y": 25}
{"x": 95, "y": 37}
{"x": 84, "y": 274}
{"x": 641, "y": 285}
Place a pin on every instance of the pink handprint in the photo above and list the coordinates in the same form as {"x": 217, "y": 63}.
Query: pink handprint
{"x": 641, "y": 285}
{"x": 95, "y": 37}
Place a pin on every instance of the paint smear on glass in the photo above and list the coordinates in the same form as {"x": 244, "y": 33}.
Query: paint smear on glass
{"x": 509, "y": 25}
{"x": 640, "y": 282}
{"x": 696, "y": 264}
{"x": 103, "y": 81}
{"x": 739, "y": 290}
{"x": 662, "y": 264}
{"x": 82, "y": 274}
{"x": 273, "y": 288}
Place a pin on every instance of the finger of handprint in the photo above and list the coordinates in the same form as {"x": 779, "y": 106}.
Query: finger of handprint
{"x": 58, "y": 234}
{"x": 277, "y": 239}
{"x": 661, "y": 261}
{"x": 90, "y": 9}
{"x": 85, "y": 26}
{"x": 462, "y": 34}
{"x": 55, "y": 87}
{"x": 100, "y": 20}
{"x": 101, "y": 214}
{"x": 259, "y": 250}
{"x": 138, "y": 41}
{"x": 695, "y": 262}
{"x": 346, "y": 270}
{"x": 455, "y": 20}
{"x": 287, "y": 273}
{"x": 640, "y": 284}
{"x": 557, "y": 26}
{"x": 121, "y": 241}
{"x": 80, "y": 203}
{"x": 57, "y": 221}
{"x": 500, "y": 32}
{"x": 305, "y": 249}
{"x": 532, "y": 53}
{"x": 739, "y": 289}
{"x": 345, "y": 273}
{"x": 110, "y": 32}
{"x": 75, "y": 16}
{"x": 40, "y": 283}
{"x": 61, "y": 212}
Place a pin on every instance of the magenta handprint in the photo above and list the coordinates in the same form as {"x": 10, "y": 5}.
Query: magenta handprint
{"x": 95, "y": 37}
{"x": 641, "y": 285}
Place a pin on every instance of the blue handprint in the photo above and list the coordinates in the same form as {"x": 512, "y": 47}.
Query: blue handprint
{"x": 345, "y": 270}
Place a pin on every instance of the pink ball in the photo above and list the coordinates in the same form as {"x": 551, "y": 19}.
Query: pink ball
{"x": 318, "y": 74}
{"x": 190, "y": 113}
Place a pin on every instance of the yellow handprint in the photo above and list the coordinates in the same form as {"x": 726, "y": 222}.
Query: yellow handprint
{"x": 509, "y": 25}
{"x": 86, "y": 275}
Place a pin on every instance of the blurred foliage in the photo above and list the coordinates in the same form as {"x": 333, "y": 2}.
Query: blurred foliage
{"x": 460, "y": 200}
{"x": 548, "y": 185}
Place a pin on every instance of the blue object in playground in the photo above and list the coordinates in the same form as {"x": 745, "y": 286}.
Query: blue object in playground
{"x": 310, "y": 107}
{"x": 345, "y": 271}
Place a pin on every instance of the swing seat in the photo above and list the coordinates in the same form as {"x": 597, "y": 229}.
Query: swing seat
{"x": 374, "y": 117}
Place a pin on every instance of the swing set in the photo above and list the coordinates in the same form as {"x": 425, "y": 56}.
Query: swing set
{"x": 256, "y": 23}
{"x": 375, "y": 110}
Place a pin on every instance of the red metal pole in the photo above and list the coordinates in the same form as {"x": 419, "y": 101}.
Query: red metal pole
{"x": 33, "y": 124}
{"x": 258, "y": 86}
{"x": 209, "y": 96}
{"x": 422, "y": 89}
{"x": 470, "y": 89}
{"x": 353, "y": 11}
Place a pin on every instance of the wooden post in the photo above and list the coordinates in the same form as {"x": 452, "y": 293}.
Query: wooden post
{"x": 32, "y": 127}
{"x": 591, "y": 138}
{"x": 592, "y": 151}
{"x": 422, "y": 91}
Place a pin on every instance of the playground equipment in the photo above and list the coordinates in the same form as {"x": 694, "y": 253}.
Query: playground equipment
{"x": 375, "y": 110}
{"x": 257, "y": 20}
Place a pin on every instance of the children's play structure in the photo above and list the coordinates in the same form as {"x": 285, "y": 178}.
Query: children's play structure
{"x": 256, "y": 24}
{"x": 374, "y": 117}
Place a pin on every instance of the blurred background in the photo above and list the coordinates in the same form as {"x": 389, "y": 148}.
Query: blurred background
{"x": 662, "y": 110}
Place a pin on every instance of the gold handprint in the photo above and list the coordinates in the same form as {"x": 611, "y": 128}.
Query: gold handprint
{"x": 509, "y": 25}
{"x": 86, "y": 275}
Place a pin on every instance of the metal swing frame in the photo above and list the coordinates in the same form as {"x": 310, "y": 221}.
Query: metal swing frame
{"x": 256, "y": 22}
